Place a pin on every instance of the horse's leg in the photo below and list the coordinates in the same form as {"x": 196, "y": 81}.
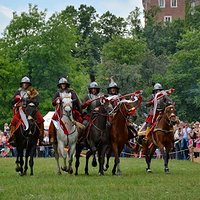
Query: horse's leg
{"x": 108, "y": 155}
{"x": 149, "y": 150}
{"x": 26, "y": 161}
{"x": 21, "y": 162}
{"x": 101, "y": 155}
{"x": 55, "y": 146}
{"x": 166, "y": 158}
{"x": 115, "y": 150}
{"x": 31, "y": 161}
{"x": 71, "y": 155}
{"x": 88, "y": 154}
{"x": 17, "y": 162}
{"x": 79, "y": 148}
{"x": 61, "y": 150}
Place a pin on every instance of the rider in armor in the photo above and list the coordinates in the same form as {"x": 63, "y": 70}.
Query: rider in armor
{"x": 159, "y": 101}
{"x": 62, "y": 92}
{"x": 91, "y": 101}
{"x": 25, "y": 95}
{"x": 113, "y": 89}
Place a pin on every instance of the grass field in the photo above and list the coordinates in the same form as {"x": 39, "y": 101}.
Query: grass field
{"x": 182, "y": 182}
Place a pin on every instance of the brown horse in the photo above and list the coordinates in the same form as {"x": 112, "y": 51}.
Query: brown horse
{"x": 119, "y": 131}
{"x": 162, "y": 137}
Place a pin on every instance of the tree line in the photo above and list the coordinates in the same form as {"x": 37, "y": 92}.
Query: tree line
{"x": 82, "y": 45}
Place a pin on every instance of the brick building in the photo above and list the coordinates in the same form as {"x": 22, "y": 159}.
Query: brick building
{"x": 169, "y": 9}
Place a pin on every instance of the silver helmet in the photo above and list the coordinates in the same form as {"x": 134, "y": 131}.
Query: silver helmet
{"x": 25, "y": 79}
{"x": 157, "y": 86}
{"x": 112, "y": 84}
{"x": 63, "y": 81}
{"x": 93, "y": 85}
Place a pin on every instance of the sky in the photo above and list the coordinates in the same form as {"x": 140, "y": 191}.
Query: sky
{"x": 120, "y": 8}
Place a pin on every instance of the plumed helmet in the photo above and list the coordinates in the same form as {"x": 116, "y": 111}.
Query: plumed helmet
{"x": 93, "y": 85}
{"x": 112, "y": 84}
{"x": 157, "y": 86}
{"x": 25, "y": 79}
{"x": 63, "y": 81}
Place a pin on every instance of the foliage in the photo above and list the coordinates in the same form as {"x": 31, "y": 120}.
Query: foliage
{"x": 82, "y": 45}
{"x": 183, "y": 74}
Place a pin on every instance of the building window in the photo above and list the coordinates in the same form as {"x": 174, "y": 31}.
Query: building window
{"x": 173, "y": 3}
{"x": 161, "y": 3}
{"x": 167, "y": 18}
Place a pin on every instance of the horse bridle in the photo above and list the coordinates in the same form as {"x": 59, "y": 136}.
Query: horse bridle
{"x": 169, "y": 117}
{"x": 68, "y": 115}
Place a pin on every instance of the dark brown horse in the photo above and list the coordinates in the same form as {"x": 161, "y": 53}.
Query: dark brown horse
{"x": 95, "y": 138}
{"x": 162, "y": 137}
{"x": 119, "y": 131}
{"x": 27, "y": 135}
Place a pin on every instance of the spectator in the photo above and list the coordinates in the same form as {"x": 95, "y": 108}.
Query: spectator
{"x": 46, "y": 142}
{"x": 177, "y": 138}
{"x": 193, "y": 137}
{"x": 185, "y": 140}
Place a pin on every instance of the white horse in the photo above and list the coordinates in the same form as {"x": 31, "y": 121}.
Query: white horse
{"x": 63, "y": 125}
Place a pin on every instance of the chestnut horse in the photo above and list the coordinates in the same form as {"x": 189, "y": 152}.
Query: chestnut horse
{"x": 27, "y": 135}
{"x": 162, "y": 137}
{"x": 119, "y": 130}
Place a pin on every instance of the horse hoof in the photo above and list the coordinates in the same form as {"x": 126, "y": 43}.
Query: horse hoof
{"x": 17, "y": 169}
{"x": 71, "y": 171}
{"x": 21, "y": 173}
{"x": 64, "y": 169}
{"x": 59, "y": 173}
{"x": 148, "y": 170}
{"x": 119, "y": 174}
{"x": 101, "y": 174}
{"x": 86, "y": 173}
{"x": 166, "y": 170}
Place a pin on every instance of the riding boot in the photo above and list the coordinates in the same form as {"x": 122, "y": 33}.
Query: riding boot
{"x": 52, "y": 133}
{"x": 147, "y": 133}
{"x": 41, "y": 135}
{"x": 12, "y": 137}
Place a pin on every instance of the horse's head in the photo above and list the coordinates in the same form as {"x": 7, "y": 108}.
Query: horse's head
{"x": 126, "y": 107}
{"x": 170, "y": 113}
{"x": 67, "y": 105}
{"x": 30, "y": 111}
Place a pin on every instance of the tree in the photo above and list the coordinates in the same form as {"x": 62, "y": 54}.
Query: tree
{"x": 183, "y": 73}
{"x": 135, "y": 23}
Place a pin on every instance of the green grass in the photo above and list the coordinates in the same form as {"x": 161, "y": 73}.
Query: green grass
{"x": 182, "y": 182}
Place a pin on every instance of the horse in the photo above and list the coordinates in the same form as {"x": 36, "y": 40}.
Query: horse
{"x": 67, "y": 135}
{"x": 96, "y": 138}
{"x": 119, "y": 131}
{"x": 162, "y": 137}
{"x": 27, "y": 135}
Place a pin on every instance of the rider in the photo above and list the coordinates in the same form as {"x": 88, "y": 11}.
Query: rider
{"x": 64, "y": 90}
{"x": 91, "y": 101}
{"x": 112, "y": 88}
{"x": 25, "y": 95}
{"x": 159, "y": 101}
{"x": 113, "y": 91}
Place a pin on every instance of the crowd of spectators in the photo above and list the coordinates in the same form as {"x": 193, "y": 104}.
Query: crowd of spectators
{"x": 187, "y": 136}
